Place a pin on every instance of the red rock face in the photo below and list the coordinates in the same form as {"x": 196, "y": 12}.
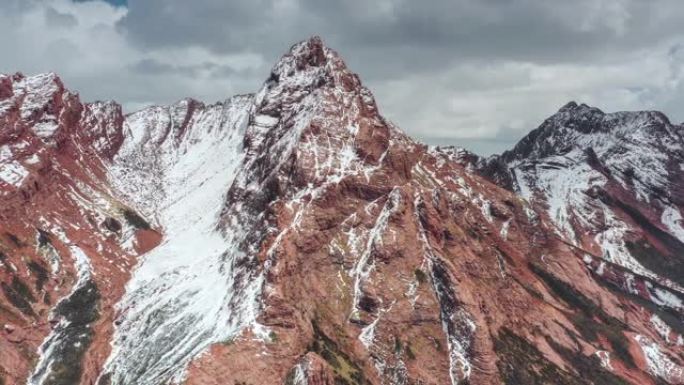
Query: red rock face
{"x": 56, "y": 210}
{"x": 294, "y": 236}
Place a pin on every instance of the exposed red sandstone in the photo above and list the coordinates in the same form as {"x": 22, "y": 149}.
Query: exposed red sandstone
{"x": 383, "y": 261}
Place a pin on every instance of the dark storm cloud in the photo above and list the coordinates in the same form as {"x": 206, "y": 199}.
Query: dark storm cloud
{"x": 397, "y": 36}
{"x": 55, "y": 18}
{"x": 112, "y": 2}
{"x": 479, "y": 73}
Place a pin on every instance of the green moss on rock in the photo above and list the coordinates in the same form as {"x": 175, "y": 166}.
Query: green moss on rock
{"x": 19, "y": 295}
{"x": 40, "y": 273}
{"x": 520, "y": 363}
{"x": 80, "y": 309}
{"x": 347, "y": 372}
{"x": 589, "y": 319}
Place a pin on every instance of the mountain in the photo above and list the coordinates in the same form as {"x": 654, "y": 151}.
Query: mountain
{"x": 611, "y": 184}
{"x": 295, "y": 236}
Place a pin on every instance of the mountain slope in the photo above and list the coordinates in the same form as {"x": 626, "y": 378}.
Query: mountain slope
{"x": 295, "y": 236}
{"x": 629, "y": 160}
{"x": 611, "y": 183}
{"x": 61, "y": 244}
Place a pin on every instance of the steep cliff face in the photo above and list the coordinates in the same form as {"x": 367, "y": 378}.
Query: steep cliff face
{"x": 67, "y": 244}
{"x": 295, "y": 236}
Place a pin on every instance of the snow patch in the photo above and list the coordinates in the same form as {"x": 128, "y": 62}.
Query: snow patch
{"x": 658, "y": 363}
{"x": 661, "y": 327}
{"x": 604, "y": 359}
{"x": 368, "y": 334}
{"x": 13, "y": 173}
{"x": 672, "y": 219}
{"x": 49, "y": 350}
{"x": 504, "y": 229}
{"x": 186, "y": 294}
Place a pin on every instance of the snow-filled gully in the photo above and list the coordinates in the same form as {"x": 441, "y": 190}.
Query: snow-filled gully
{"x": 456, "y": 322}
{"x": 189, "y": 292}
{"x": 62, "y": 351}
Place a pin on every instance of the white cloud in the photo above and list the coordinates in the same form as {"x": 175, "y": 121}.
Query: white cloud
{"x": 92, "y": 55}
{"x": 505, "y": 100}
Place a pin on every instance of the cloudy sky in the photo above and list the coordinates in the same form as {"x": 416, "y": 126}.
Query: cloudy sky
{"x": 475, "y": 73}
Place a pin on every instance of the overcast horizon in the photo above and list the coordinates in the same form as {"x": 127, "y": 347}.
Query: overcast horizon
{"x": 473, "y": 73}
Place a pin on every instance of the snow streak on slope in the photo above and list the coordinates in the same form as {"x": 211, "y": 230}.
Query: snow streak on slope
{"x": 456, "y": 322}
{"x": 563, "y": 181}
{"x": 672, "y": 219}
{"x": 580, "y": 150}
{"x": 70, "y": 329}
{"x": 183, "y": 296}
{"x": 658, "y": 363}
{"x": 11, "y": 171}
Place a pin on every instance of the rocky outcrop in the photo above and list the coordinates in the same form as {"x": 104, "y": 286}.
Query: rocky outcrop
{"x": 66, "y": 246}
{"x": 295, "y": 236}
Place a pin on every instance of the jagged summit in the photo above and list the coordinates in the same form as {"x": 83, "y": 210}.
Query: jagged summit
{"x": 569, "y": 106}
{"x": 579, "y": 126}
{"x": 308, "y": 66}
{"x": 611, "y": 173}
{"x": 573, "y": 107}
{"x": 572, "y": 112}
{"x": 308, "y": 54}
